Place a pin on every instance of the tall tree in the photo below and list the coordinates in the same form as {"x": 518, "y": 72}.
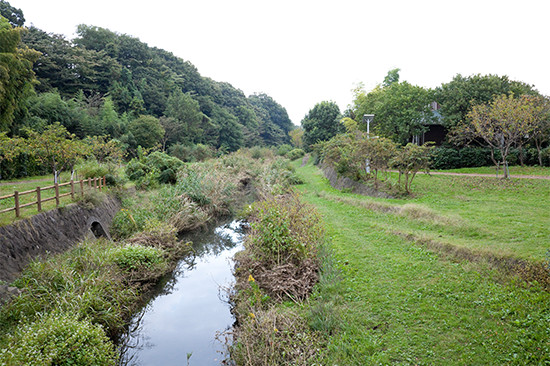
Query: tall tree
{"x": 16, "y": 75}
{"x": 458, "y": 96}
{"x": 401, "y": 110}
{"x": 186, "y": 113}
{"x": 321, "y": 123}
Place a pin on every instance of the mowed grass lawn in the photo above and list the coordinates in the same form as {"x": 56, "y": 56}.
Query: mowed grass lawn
{"x": 514, "y": 170}
{"x": 404, "y": 304}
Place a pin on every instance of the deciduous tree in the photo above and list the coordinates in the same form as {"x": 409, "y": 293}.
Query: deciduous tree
{"x": 56, "y": 147}
{"x": 409, "y": 160}
{"x": 501, "y": 124}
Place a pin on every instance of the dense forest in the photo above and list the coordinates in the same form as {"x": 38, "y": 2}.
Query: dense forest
{"x": 103, "y": 83}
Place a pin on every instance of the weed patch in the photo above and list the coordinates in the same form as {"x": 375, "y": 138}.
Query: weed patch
{"x": 58, "y": 339}
{"x": 280, "y": 263}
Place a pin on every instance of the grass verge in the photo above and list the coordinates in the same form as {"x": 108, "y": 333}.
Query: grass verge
{"x": 404, "y": 303}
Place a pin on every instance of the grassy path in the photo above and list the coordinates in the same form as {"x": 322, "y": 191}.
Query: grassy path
{"x": 403, "y": 304}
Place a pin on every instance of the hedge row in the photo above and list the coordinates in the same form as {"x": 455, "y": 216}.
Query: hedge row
{"x": 469, "y": 157}
{"x": 22, "y": 166}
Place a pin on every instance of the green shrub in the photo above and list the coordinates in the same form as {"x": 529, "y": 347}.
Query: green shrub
{"x": 468, "y": 157}
{"x": 166, "y": 165}
{"x": 134, "y": 257}
{"x": 156, "y": 168}
{"x": 24, "y": 165}
{"x": 135, "y": 169}
{"x": 58, "y": 339}
{"x": 283, "y": 149}
{"x": 295, "y": 154}
{"x": 149, "y": 181}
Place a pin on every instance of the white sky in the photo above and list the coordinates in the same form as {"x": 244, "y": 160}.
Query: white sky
{"x": 301, "y": 52}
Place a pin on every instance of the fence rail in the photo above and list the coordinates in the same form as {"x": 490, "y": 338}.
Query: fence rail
{"x": 90, "y": 183}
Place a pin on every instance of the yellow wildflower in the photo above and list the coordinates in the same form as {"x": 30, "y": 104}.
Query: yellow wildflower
{"x": 250, "y": 278}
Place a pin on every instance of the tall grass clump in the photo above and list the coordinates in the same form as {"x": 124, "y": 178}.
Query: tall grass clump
{"x": 284, "y": 230}
{"x": 280, "y": 263}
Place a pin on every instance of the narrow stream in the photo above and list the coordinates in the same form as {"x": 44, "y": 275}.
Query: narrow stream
{"x": 180, "y": 324}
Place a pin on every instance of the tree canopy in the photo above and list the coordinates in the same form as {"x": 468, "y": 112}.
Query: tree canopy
{"x": 321, "y": 123}
{"x": 99, "y": 82}
{"x": 458, "y": 96}
{"x": 401, "y": 110}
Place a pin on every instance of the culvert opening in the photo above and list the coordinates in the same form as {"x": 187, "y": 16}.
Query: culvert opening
{"x": 98, "y": 230}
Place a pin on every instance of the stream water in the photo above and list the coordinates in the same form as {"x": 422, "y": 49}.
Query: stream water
{"x": 183, "y": 321}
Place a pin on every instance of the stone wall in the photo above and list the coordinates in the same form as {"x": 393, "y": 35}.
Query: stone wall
{"x": 51, "y": 232}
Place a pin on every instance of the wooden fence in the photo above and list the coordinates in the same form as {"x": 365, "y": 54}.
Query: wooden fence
{"x": 90, "y": 183}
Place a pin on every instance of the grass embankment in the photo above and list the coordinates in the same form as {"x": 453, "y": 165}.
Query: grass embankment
{"x": 403, "y": 303}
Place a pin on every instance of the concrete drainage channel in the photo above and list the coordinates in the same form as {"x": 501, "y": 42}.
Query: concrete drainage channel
{"x": 47, "y": 233}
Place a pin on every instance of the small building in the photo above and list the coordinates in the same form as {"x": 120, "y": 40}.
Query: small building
{"x": 436, "y": 132}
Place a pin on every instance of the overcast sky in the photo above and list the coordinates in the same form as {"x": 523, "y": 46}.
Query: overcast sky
{"x": 302, "y": 52}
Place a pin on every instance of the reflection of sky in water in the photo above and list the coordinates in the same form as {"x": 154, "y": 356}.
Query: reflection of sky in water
{"x": 187, "y": 319}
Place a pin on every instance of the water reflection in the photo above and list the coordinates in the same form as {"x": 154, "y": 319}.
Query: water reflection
{"x": 179, "y": 325}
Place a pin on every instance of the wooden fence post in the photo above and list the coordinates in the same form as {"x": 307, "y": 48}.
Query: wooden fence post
{"x": 90, "y": 183}
{"x": 56, "y": 194}
{"x": 82, "y": 187}
{"x": 38, "y": 199}
{"x": 16, "y": 198}
{"x": 72, "y": 189}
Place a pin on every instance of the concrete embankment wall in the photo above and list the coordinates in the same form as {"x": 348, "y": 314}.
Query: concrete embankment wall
{"x": 51, "y": 232}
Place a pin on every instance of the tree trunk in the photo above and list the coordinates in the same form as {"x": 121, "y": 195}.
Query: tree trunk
{"x": 521, "y": 155}
{"x": 505, "y": 166}
{"x": 494, "y": 160}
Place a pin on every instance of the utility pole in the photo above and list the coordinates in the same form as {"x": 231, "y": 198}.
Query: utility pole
{"x": 368, "y": 118}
